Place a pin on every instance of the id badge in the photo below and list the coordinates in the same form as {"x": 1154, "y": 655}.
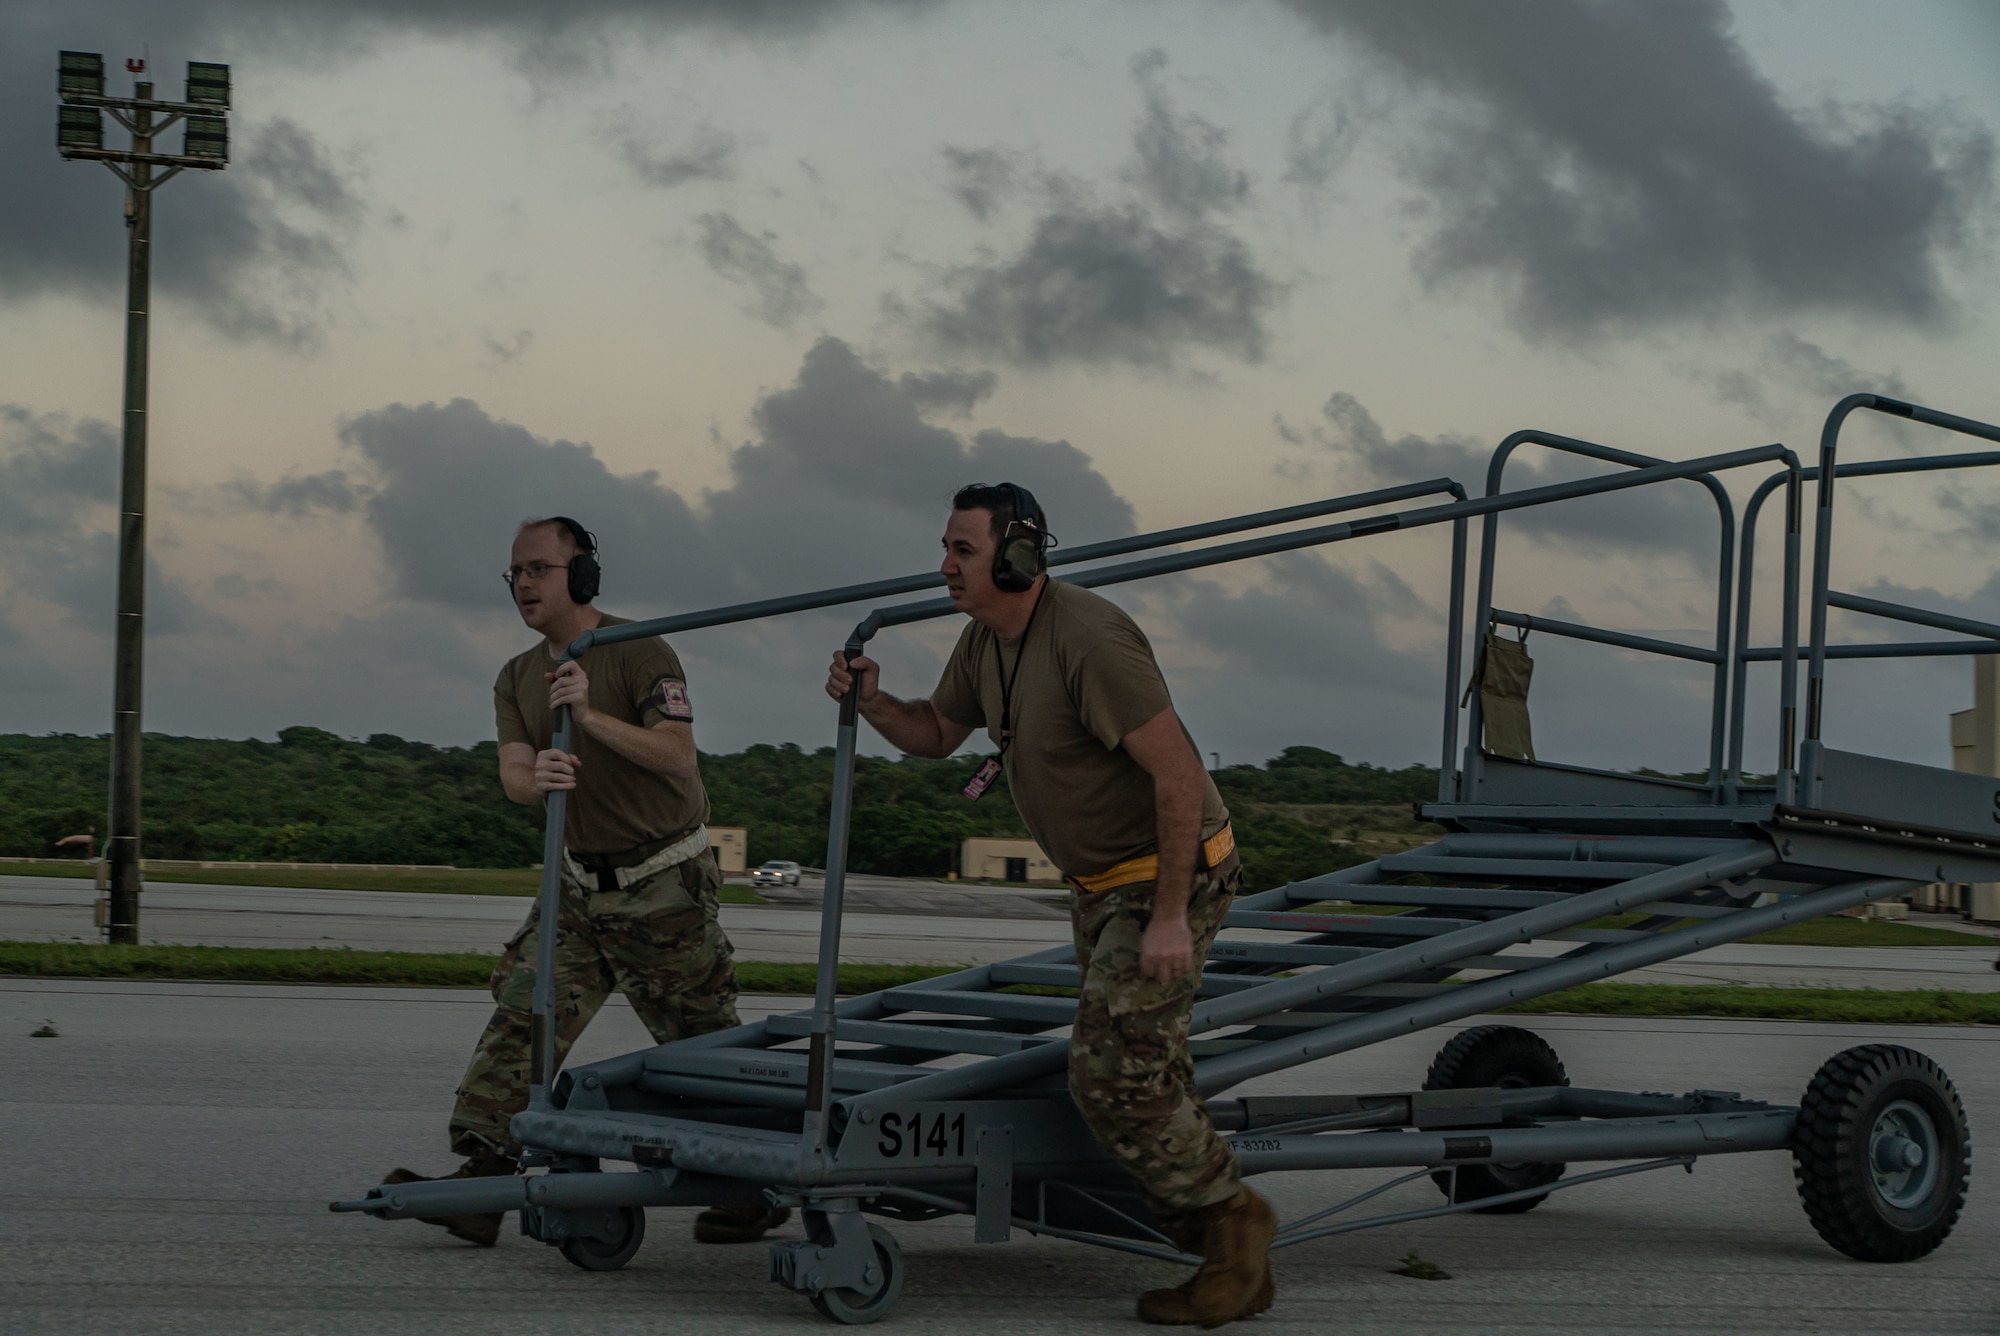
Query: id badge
{"x": 982, "y": 778}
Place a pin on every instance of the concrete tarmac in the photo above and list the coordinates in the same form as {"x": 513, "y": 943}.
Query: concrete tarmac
{"x": 171, "y": 1153}
{"x": 57, "y": 909}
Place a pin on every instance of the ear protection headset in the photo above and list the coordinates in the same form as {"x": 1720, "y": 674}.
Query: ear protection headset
{"x": 585, "y": 575}
{"x": 1022, "y": 553}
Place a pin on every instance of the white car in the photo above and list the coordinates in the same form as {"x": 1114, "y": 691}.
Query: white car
{"x": 777, "y": 872}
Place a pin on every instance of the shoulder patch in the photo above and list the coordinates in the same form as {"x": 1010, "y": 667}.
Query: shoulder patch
{"x": 670, "y": 697}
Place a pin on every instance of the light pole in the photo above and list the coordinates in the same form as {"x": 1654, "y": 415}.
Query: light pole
{"x": 80, "y": 134}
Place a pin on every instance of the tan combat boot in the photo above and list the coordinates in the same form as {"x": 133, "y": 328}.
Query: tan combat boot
{"x": 738, "y": 1224}
{"x": 1235, "y": 1276}
{"x": 482, "y": 1228}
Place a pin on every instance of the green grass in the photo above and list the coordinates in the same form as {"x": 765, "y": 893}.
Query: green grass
{"x": 1834, "y": 930}
{"x": 1834, "y": 1006}
{"x": 401, "y": 969}
{"x": 228, "y": 964}
{"x": 524, "y": 881}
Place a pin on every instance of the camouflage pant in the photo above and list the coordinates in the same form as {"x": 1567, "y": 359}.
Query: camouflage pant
{"x": 1129, "y": 1069}
{"x": 656, "y": 941}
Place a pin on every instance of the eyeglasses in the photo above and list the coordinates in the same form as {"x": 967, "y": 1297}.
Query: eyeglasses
{"x": 534, "y": 570}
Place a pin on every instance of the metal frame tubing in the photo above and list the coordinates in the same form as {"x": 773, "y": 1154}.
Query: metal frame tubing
{"x": 819, "y": 1064}
{"x": 1747, "y": 654}
{"x": 1305, "y": 1230}
{"x": 1470, "y": 999}
{"x": 1829, "y": 470}
{"x": 1483, "y": 616}
{"x": 542, "y": 1063}
{"x": 1332, "y": 981}
{"x": 1898, "y": 612}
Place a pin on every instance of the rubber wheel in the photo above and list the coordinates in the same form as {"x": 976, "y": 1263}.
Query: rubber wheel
{"x": 1882, "y": 1154}
{"x": 608, "y": 1254}
{"x": 855, "y": 1307}
{"x": 1512, "y": 1059}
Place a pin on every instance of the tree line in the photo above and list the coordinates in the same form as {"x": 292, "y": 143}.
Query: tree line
{"x": 314, "y": 797}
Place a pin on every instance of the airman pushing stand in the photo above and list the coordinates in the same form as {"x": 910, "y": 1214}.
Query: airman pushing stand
{"x": 638, "y": 904}
{"x": 1111, "y": 786}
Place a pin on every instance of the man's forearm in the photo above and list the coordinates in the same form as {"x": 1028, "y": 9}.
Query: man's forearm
{"x": 910, "y": 726}
{"x": 518, "y": 781}
{"x": 1177, "y": 806}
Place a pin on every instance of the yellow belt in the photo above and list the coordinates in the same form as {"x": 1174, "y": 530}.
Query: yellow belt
{"x": 1146, "y": 867}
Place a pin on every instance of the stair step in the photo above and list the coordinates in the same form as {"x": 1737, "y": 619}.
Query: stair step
{"x": 1372, "y": 925}
{"x": 774, "y": 1068}
{"x": 1066, "y": 976}
{"x": 1001, "y": 1006}
{"x": 1453, "y": 897}
{"x": 1288, "y": 954}
{"x": 1551, "y": 869}
{"x": 901, "y": 1034}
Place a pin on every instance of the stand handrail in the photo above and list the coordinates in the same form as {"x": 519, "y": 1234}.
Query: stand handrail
{"x": 1489, "y": 543}
{"x": 1746, "y": 654}
{"x": 1829, "y": 471}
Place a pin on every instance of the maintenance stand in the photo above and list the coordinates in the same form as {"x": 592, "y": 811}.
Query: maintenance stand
{"x": 948, "y": 1098}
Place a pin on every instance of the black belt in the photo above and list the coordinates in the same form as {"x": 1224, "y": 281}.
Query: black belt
{"x": 637, "y": 854}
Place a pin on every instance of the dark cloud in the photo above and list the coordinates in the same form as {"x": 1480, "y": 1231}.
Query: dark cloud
{"x": 844, "y": 469}
{"x": 1616, "y": 165}
{"x": 1139, "y": 280}
{"x": 1671, "y": 518}
{"x": 1812, "y": 369}
{"x": 708, "y": 154}
{"x": 1793, "y": 382}
{"x": 58, "y": 487}
{"x": 450, "y": 484}
{"x": 509, "y": 349}
{"x": 1978, "y": 516}
{"x": 1183, "y": 158}
{"x": 782, "y": 294}
{"x": 299, "y": 495}
{"x": 1313, "y": 620}
{"x": 1106, "y": 285}
{"x": 1313, "y": 636}
{"x": 53, "y": 470}
{"x": 1320, "y": 140}
{"x": 984, "y": 178}
{"x": 957, "y": 392}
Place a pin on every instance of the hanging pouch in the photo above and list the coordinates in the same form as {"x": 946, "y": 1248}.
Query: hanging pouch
{"x": 1504, "y": 672}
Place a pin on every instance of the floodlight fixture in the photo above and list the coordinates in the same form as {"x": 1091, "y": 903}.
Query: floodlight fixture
{"x": 80, "y": 74}
{"x": 207, "y": 85}
{"x": 207, "y": 137}
{"x": 79, "y": 128}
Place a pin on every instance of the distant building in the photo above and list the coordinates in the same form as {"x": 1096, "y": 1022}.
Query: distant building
{"x": 732, "y": 847}
{"x": 1975, "y": 750}
{"x": 987, "y": 858}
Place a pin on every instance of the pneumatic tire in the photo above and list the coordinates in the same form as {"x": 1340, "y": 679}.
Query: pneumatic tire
{"x": 1882, "y": 1153}
{"x": 1513, "y": 1059}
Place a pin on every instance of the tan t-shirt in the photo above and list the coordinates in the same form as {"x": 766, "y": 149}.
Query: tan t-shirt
{"x": 1087, "y": 680}
{"x": 616, "y": 805}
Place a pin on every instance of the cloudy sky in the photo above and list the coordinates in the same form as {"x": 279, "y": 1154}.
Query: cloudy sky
{"x": 751, "y": 287}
